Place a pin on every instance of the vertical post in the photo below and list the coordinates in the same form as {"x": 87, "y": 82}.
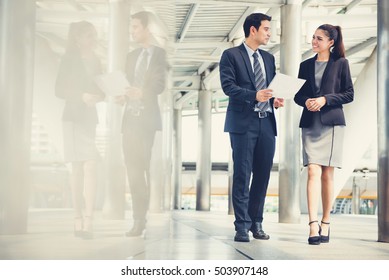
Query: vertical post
{"x": 168, "y": 138}
{"x": 383, "y": 121}
{"x": 117, "y": 48}
{"x": 204, "y": 164}
{"x": 177, "y": 151}
{"x": 356, "y": 200}
{"x": 289, "y": 139}
{"x": 17, "y": 33}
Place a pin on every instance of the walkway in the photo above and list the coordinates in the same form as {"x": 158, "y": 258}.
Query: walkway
{"x": 190, "y": 235}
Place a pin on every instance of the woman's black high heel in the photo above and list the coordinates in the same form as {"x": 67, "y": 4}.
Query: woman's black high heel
{"x": 78, "y": 226}
{"x": 315, "y": 240}
{"x": 325, "y": 238}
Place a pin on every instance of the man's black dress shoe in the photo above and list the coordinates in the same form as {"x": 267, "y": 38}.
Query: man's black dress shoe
{"x": 258, "y": 232}
{"x": 242, "y": 236}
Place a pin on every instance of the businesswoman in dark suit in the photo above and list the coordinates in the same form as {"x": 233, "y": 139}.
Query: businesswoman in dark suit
{"x": 75, "y": 85}
{"x": 327, "y": 88}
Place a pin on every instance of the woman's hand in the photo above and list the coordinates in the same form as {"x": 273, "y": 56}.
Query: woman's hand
{"x": 134, "y": 93}
{"x": 315, "y": 104}
{"x": 278, "y": 102}
{"x": 90, "y": 99}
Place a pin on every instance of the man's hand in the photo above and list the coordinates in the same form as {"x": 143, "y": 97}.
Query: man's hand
{"x": 278, "y": 102}
{"x": 134, "y": 93}
{"x": 264, "y": 95}
{"x": 120, "y": 99}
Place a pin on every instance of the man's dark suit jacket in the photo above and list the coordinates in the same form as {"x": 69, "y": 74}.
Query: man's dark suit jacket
{"x": 154, "y": 84}
{"x": 238, "y": 82}
{"x": 336, "y": 86}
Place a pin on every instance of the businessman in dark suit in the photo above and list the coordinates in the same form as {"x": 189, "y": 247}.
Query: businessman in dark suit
{"x": 245, "y": 73}
{"x": 146, "y": 70}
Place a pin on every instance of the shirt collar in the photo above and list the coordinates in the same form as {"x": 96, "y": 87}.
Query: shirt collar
{"x": 250, "y": 52}
{"x": 149, "y": 50}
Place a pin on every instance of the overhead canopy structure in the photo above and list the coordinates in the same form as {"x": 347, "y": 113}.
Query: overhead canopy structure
{"x": 195, "y": 32}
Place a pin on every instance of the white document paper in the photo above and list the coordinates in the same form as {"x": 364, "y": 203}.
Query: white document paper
{"x": 113, "y": 83}
{"x": 285, "y": 86}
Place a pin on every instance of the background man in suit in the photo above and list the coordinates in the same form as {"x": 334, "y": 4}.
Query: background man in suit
{"x": 245, "y": 72}
{"x": 146, "y": 73}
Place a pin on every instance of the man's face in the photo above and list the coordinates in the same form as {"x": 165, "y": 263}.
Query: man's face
{"x": 262, "y": 35}
{"x": 139, "y": 33}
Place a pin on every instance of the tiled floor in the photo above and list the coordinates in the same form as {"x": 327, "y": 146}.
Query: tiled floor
{"x": 190, "y": 235}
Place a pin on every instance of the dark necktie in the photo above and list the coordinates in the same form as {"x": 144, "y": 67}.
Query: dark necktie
{"x": 141, "y": 70}
{"x": 259, "y": 84}
{"x": 135, "y": 106}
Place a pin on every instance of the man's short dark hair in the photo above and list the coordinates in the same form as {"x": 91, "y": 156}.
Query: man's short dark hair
{"x": 255, "y": 20}
{"x": 143, "y": 17}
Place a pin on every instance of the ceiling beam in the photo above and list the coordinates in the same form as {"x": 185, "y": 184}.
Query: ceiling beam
{"x": 217, "y": 53}
{"x": 361, "y": 46}
{"x": 238, "y": 27}
{"x": 306, "y": 3}
{"x": 188, "y": 20}
{"x": 196, "y": 58}
{"x": 346, "y": 21}
{"x": 262, "y": 3}
{"x": 350, "y": 6}
{"x": 210, "y": 77}
{"x": 202, "y": 45}
{"x": 179, "y": 103}
{"x": 351, "y": 51}
{"x": 42, "y": 14}
{"x": 76, "y": 5}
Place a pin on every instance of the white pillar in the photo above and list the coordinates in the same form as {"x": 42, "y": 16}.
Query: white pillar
{"x": 114, "y": 205}
{"x": 383, "y": 120}
{"x": 204, "y": 164}
{"x": 177, "y": 155}
{"x": 289, "y": 136}
{"x": 17, "y": 35}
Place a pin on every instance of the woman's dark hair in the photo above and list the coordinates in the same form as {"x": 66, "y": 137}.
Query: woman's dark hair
{"x": 334, "y": 33}
{"x": 254, "y": 20}
{"x": 76, "y": 31}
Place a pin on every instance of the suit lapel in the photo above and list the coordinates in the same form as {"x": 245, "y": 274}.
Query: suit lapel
{"x": 247, "y": 63}
{"x": 267, "y": 63}
{"x": 311, "y": 74}
{"x": 132, "y": 63}
{"x": 153, "y": 59}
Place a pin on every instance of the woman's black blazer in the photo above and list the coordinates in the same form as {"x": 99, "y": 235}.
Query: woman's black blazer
{"x": 336, "y": 86}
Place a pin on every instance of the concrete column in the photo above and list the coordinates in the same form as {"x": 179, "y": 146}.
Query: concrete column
{"x": 204, "y": 165}
{"x": 356, "y": 200}
{"x": 17, "y": 35}
{"x": 383, "y": 120}
{"x": 177, "y": 156}
{"x": 167, "y": 149}
{"x": 114, "y": 205}
{"x": 161, "y": 159}
{"x": 289, "y": 136}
